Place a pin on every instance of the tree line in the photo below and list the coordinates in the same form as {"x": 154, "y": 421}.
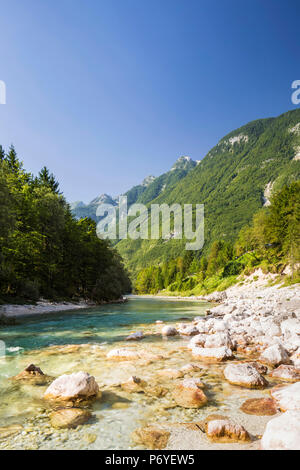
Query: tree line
{"x": 271, "y": 241}
{"x": 44, "y": 250}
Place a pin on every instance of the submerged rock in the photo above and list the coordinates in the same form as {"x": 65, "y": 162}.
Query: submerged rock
{"x": 151, "y": 437}
{"x": 189, "y": 394}
{"x": 135, "y": 336}
{"x": 171, "y": 373}
{"x": 289, "y": 373}
{"x": 190, "y": 368}
{"x": 134, "y": 385}
{"x": 76, "y": 385}
{"x": 282, "y": 433}
{"x": 68, "y": 418}
{"x": 123, "y": 354}
{"x": 169, "y": 331}
{"x": 9, "y": 431}
{"x": 245, "y": 375}
{"x": 260, "y": 407}
{"x": 287, "y": 398}
{"x": 33, "y": 375}
{"x": 275, "y": 355}
{"x": 225, "y": 430}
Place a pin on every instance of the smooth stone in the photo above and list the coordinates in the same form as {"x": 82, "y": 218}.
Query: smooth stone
{"x": 123, "y": 354}
{"x": 76, "y": 385}
{"x": 289, "y": 373}
{"x": 287, "y": 398}
{"x": 244, "y": 375}
{"x": 135, "y": 336}
{"x": 170, "y": 373}
{"x": 283, "y": 432}
{"x": 151, "y": 437}
{"x": 224, "y": 430}
{"x": 275, "y": 355}
{"x": 189, "y": 394}
{"x": 259, "y": 407}
{"x": 213, "y": 354}
{"x": 68, "y": 418}
{"x": 134, "y": 385}
{"x": 169, "y": 331}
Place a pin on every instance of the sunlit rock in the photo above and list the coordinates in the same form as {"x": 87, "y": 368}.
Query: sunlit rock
{"x": 245, "y": 375}
{"x": 76, "y": 385}
{"x": 283, "y": 432}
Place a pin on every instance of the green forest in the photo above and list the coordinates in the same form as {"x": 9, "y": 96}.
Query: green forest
{"x": 271, "y": 241}
{"x": 44, "y": 251}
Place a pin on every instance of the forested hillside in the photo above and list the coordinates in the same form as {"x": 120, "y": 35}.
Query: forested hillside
{"x": 233, "y": 181}
{"x": 44, "y": 250}
{"x": 271, "y": 242}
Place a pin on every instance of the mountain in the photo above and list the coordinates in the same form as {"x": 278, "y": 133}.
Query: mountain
{"x": 234, "y": 180}
{"x": 149, "y": 189}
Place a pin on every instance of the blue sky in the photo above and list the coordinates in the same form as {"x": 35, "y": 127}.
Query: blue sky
{"x": 105, "y": 92}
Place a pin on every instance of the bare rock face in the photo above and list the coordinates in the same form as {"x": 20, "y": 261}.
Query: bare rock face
{"x": 169, "y": 331}
{"x": 260, "y": 407}
{"x": 244, "y": 375}
{"x": 288, "y": 373}
{"x": 212, "y": 354}
{"x": 33, "y": 375}
{"x": 275, "y": 355}
{"x": 189, "y": 394}
{"x": 287, "y": 398}
{"x": 225, "y": 430}
{"x": 73, "y": 386}
{"x": 282, "y": 433}
{"x": 123, "y": 354}
{"x": 68, "y": 418}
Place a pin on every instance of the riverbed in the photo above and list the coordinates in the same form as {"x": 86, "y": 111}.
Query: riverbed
{"x": 76, "y": 341}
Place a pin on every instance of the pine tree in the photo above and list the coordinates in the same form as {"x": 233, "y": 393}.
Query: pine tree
{"x": 46, "y": 178}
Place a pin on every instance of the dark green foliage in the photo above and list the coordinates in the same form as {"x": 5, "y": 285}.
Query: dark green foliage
{"x": 44, "y": 250}
{"x": 272, "y": 241}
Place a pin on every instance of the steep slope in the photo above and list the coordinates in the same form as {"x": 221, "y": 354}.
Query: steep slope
{"x": 145, "y": 192}
{"x": 233, "y": 181}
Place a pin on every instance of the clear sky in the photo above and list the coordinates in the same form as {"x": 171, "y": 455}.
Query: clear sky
{"x": 105, "y": 92}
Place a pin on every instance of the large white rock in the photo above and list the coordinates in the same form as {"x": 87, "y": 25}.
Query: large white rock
{"x": 283, "y": 432}
{"x": 187, "y": 330}
{"x": 79, "y": 384}
{"x": 218, "y": 354}
{"x": 275, "y": 355}
{"x": 291, "y": 326}
{"x": 198, "y": 340}
{"x": 218, "y": 340}
{"x": 245, "y": 375}
{"x": 287, "y": 398}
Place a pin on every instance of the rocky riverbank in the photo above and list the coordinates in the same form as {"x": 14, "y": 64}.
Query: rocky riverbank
{"x": 43, "y": 307}
{"x": 229, "y": 379}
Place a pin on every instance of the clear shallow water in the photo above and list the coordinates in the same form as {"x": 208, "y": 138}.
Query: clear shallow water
{"x": 45, "y": 341}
